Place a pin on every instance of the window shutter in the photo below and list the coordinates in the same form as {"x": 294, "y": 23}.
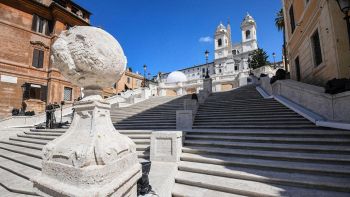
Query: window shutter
{"x": 49, "y": 28}
{"x": 292, "y": 19}
{"x": 43, "y": 92}
{"x": 41, "y": 24}
{"x": 34, "y": 22}
{"x": 35, "y": 58}
{"x": 40, "y": 59}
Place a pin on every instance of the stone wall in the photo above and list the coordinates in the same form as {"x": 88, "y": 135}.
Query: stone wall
{"x": 332, "y": 107}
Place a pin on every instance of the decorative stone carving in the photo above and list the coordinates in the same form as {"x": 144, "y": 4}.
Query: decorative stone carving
{"x": 91, "y": 158}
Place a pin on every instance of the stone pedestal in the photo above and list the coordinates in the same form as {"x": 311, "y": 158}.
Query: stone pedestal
{"x": 208, "y": 85}
{"x": 184, "y": 119}
{"x": 90, "y": 159}
{"x": 166, "y": 146}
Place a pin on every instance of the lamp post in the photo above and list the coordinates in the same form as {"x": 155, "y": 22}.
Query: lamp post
{"x": 274, "y": 60}
{"x": 206, "y": 56}
{"x": 344, "y": 6}
{"x": 144, "y": 75}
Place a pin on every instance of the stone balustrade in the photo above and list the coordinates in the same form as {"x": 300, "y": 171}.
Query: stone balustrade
{"x": 332, "y": 107}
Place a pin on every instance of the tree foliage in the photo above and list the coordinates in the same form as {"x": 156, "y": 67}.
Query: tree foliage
{"x": 258, "y": 58}
{"x": 279, "y": 20}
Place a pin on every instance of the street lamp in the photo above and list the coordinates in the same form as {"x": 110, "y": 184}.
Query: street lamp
{"x": 144, "y": 75}
{"x": 344, "y": 6}
{"x": 274, "y": 60}
{"x": 206, "y": 56}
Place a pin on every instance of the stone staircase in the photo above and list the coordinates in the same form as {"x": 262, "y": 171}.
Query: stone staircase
{"x": 246, "y": 108}
{"x": 158, "y": 113}
{"x": 20, "y": 155}
{"x": 244, "y": 145}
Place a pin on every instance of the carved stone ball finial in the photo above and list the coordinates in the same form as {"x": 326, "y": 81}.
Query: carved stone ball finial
{"x": 90, "y": 58}
{"x": 91, "y": 158}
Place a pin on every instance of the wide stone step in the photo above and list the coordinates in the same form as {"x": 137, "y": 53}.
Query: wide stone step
{"x": 246, "y": 113}
{"x": 145, "y": 112}
{"x": 138, "y": 136}
{"x": 296, "y": 179}
{"x": 40, "y": 137}
{"x": 145, "y": 123}
{"x": 239, "y": 104}
{"x": 250, "y": 126}
{"x": 49, "y": 130}
{"x": 273, "y": 147}
{"x": 150, "y": 116}
{"x": 24, "y": 144}
{"x": 307, "y": 133}
{"x": 135, "y": 132}
{"x": 36, "y": 141}
{"x": 142, "y": 147}
{"x": 294, "y": 140}
{"x": 271, "y": 155}
{"x": 222, "y": 112}
{"x": 136, "y": 121}
{"x": 254, "y": 102}
{"x": 263, "y": 164}
{"x": 17, "y": 185}
{"x": 43, "y": 133}
{"x": 142, "y": 141}
{"x": 255, "y": 123}
{"x": 22, "y": 150}
{"x": 133, "y": 127}
{"x": 181, "y": 190}
{"x": 23, "y": 160}
{"x": 241, "y": 108}
{"x": 246, "y": 187}
{"x": 255, "y": 119}
{"x": 237, "y": 116}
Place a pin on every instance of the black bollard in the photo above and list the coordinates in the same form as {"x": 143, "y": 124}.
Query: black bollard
{"x": 143, "y": 186}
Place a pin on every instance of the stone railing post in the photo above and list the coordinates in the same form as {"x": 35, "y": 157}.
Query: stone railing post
{"x": 166, "y": 146}
{"x": 184, "y": 119}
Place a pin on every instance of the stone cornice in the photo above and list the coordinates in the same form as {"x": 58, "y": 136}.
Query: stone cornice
{"x": 39, "y": 43}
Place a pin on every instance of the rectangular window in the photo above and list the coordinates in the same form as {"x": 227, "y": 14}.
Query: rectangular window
{"x": 128, "y": 80}
{"x": 38, "y": 58}
{"x": 292, "y": 19}
{"x": 34, "y": 91}
{"x": 236, "y": 67}
{"x": 41, "y": 25}
{"x": 67, "y": 94}
{"x": 316, "y": 46}
{"x": 297, "y": 68}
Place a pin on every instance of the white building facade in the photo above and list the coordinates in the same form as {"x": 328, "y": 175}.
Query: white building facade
{"x": 230, "y": 66}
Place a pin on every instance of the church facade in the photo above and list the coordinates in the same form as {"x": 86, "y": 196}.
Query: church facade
{"x": 230, "y": 66}
{"x": 230, "y": 58}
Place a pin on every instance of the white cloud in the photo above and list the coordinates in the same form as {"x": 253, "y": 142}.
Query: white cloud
{"x": 206, "y": 39}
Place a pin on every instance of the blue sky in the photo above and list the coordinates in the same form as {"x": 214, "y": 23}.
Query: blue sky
{"x": 166, "y": 34}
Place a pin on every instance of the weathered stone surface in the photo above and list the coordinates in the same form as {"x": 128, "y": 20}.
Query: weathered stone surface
{"x": 89, "y": 57}
{"x": 91, "y": 158}
{"x": 166, "y": 146}
{"x": 184, "y": 119}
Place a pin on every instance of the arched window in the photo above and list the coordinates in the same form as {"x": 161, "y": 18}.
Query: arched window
{"x": 219, "y": 42}
{"x": 247, "y": 34}
{"x": 234, "y": 52}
